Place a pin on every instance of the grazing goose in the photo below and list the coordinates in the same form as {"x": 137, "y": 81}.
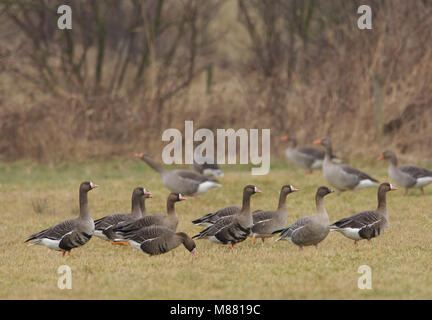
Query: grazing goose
{"x": 156, "y": 240}
{"x": 308, "y": 158}
{"x": 72, "y": 233}
{"x": 232, "y": 229}
{"x": 366, "y": 224}
{"x": 310, "y": 230}
{"x": 343, "y": 177}
{"x": 182, "y": 181}
{"x": 267, "y": 222}
{"x": 407, "y": 175}
{"x": 103, "y": 226}
{"x": 169, "y": 220}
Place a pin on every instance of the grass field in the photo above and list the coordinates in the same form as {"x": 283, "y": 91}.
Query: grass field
{"x": 33, "y": 197}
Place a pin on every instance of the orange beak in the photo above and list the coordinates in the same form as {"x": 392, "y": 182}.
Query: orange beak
{"x": 284, "y": 138}
{"x": 317, "y": 141}
{"x": 139, "y": 155}
{"x": 381, "y": 157}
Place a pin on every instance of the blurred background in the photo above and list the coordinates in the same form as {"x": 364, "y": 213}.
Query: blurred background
{"x": 130, "y": 69}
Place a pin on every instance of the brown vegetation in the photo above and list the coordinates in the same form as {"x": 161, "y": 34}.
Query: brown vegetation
{"x": 130, "y": 69}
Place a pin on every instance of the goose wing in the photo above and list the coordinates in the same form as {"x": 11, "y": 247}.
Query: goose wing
{"x": 415, "y": 171}
{"x": 353, "y": 171}
{"x": 56, "y": 232}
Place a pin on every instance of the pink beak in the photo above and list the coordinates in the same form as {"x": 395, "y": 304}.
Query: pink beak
{"x": 393, "y": 188}
{"x": 95, "y": 186}
{"x": 149, "y": 194}
{"x": 193, "y": 252}
{"x": 257, "y": 190}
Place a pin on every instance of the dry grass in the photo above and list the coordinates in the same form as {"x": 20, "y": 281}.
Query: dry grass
{"x": 400, "y": 258}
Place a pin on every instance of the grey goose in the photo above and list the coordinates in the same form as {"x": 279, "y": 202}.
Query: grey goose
{"x": 169, "y": 220}
{"x": 71, "y": 233}
{"x": 156, "y": 240}
{"x": 267, "y": 222}
{"x": 407, "y": 175}
{"x": 366, "y": 224}
{"x": 235, "y": 228}
{"x": 104, "y": 226}
{"x": 182, "y": 181}
{"x": 308, "y": 158}
{"x": 342, "y": 176}
{"x": 309, "y": 230}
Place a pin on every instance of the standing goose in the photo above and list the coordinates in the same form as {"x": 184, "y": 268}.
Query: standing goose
{"x": 169, "y": 220}
{"x": 343, "y": 177}
{"x": 103, "y": 226}
{"x": 407, "y": 175}
{"x": 155, "y": 240}
{"x": 232, "y": 229}
{"x": 308, "y": 158}
{"x": 72, "y": 233}
{"x": 182, "y": 181}
{"x": 310, "y": 230}
{"x": 366, "y": 224}
{"x": 267, "y": 222}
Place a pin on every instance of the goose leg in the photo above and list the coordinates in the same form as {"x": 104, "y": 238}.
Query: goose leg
{"x": 196, "y": 197}
{"x": 316, "y": 246}
{"x": 405, "y": 192}
{"x": 262, "y": 239}
{"x": 253, "y": 240}
{"x": 423, "y": 193}
{"x": 123, "y": 243}
{"x": 355, "y": 242}
{"x": 231, "y": 246}
{"x": 69, "y": 253}
{"x": 300, "y": 248}
{"x": 63, "y": 253}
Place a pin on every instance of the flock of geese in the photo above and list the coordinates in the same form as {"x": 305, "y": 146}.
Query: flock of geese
{"x": 156, "y": 234}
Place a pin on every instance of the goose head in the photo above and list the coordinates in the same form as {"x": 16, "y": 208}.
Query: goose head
{"x": 86, "y": 186}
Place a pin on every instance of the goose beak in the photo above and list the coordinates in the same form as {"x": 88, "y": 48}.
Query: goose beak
{"x": 182, "y": 198}
{"x": 257, "y": 190}
{"x": 193, "y": 252}
{"x": 149, "y": 194}
{"x": 94, "y": 186}
{"x": 381, "y": 157}
{"x": 294, "y": 189}
{"x": 331, "y": 191}
{"x": 317, "y": 141}
{"x": 393, "y": 188}
{"x": 139, "y": 155}
{"x": 284, "y": 138}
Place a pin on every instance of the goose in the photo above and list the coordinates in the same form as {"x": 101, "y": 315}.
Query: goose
{"x": 205, "y": 165}
{"x": 182, "y": 181}
{"x": 71, "y": 233}
{"x": 155, "y": 240}
{"x": 308, "y": 158}
{"x": 310, "y": 230}
{"x": 343, "y": 177}
{"x": 266, "y": 222}
{"x": 103, "y": 226}
{"x": 366, "y": 224}
{"x": 232, "y": 229}
{"x": 169, "y": 220}
{"x": 407, "y": 175}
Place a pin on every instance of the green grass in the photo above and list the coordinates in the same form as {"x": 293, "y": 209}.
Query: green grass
{"x": 33, "y": 197}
